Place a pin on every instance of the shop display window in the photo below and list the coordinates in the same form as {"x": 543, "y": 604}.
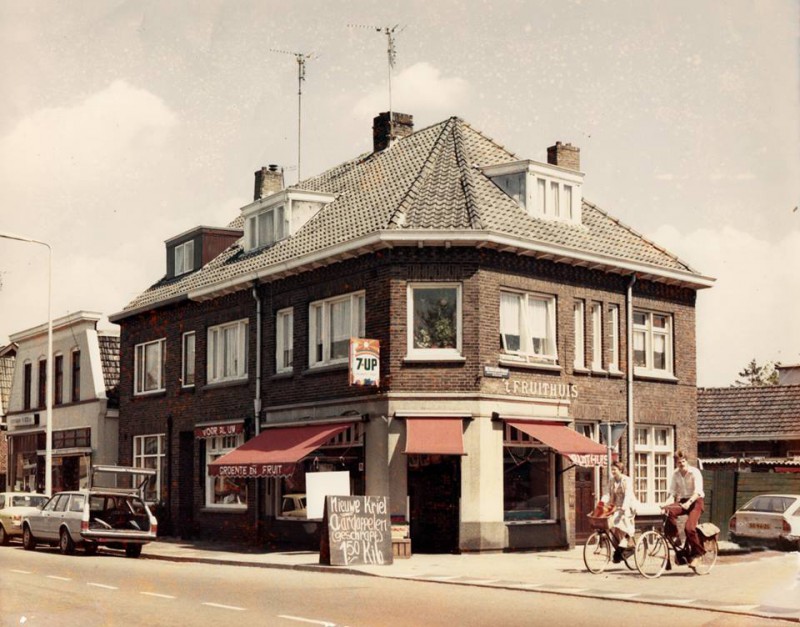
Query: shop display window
{"x": 528, "y": 479}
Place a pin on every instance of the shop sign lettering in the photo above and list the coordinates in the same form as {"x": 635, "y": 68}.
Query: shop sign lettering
{"x": 541, "y": 389}
{"x": 356, "y": 530}
{"x": 251, "y": 471}
{"x": 365, "y": 362}
{"x": 213, "y": 431}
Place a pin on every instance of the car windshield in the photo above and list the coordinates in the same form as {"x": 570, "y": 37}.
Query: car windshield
{"x": 27, "y": 500}
{"x": 771, "y": 504}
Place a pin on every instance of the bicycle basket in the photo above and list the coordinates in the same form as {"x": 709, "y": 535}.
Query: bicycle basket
{"x": 600, "y": 522}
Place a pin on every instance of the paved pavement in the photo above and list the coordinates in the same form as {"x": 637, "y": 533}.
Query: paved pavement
{"x": 764, "y": 584}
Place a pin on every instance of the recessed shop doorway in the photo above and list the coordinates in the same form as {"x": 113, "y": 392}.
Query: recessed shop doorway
{"x": 434, "y": 490}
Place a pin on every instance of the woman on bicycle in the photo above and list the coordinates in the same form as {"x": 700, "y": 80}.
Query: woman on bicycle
{"x": 621, "y": 497}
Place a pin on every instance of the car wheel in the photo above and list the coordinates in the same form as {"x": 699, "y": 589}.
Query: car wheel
{"x": 65, "y": 543}
{"x": 28, "y": 541}
{"x": 90, "y": 548}
{"x": 133, "y": 550}
{"x": 3, "y": 536}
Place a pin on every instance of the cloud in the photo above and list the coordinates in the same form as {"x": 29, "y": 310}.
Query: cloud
{"x": 744, "y": 315}
{"x": 419, "y": 89}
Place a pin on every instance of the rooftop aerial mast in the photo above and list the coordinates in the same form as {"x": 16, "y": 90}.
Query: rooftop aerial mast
{"x": 301, "y": 76}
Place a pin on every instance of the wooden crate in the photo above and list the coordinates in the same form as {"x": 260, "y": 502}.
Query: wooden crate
{"x": 401, "y": 548}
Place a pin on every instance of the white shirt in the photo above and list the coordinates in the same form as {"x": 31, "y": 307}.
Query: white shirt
{"x": 682, "y": 487}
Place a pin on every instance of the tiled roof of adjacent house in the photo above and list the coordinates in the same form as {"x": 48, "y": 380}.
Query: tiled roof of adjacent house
{"x": 744, "y": 413}
{"x": 109, "y": 358}
{"x": 429, "y": 180}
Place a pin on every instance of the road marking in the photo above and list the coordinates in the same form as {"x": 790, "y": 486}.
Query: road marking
{"x": 156, "y": 594}
{"x": 21, "y": 572}
{"x": 307, "y": 620}
{"x": 101, "y": 585}
{"x": 226, "y": 607}
{"x": 59, "y": 578}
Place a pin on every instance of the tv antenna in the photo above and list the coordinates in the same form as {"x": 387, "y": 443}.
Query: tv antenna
{"x": 391, "y": 51}
{"x": 301, "y": 76}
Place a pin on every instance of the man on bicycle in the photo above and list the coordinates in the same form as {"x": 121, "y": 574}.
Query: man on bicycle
{"x": 686, "y": 490}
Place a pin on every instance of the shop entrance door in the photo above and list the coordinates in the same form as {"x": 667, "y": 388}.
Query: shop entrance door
{"x": 434, "y": 489}
{"x": 584, "y": 502}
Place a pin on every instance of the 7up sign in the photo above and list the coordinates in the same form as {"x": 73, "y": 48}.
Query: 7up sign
{"x": 365, "y": 362}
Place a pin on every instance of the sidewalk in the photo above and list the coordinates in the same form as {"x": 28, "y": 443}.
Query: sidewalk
{"x": 764, "y": 584}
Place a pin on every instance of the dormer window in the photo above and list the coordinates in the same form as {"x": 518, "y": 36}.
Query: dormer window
{"x": 184, "y": 258}
{"x": 544, "y": 191}
{"x": 267, "y": 227}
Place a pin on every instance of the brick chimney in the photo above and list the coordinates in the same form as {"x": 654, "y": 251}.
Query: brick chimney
{"x": 383, "y": 133}
{"x": 565, "y": 156}
{"x": 269, "y": 180}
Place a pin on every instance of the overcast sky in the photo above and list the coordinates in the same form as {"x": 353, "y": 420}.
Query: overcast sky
{"x": 124, "y": 123}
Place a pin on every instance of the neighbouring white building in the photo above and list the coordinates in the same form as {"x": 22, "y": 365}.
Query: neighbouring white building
{"x": 85, "y": 403}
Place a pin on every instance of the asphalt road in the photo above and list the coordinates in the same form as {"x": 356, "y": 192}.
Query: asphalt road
{"x": 46, "y": 588}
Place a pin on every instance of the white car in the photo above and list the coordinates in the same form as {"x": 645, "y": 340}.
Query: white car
{"x": 13, "y": 507}
{"x": 769, "y": 519}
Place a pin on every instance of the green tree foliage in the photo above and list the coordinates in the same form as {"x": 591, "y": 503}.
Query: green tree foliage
{"x": 754, "y": 375}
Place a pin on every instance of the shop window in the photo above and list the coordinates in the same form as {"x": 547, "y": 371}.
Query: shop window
{"x": 58, "y": 390}
{"x": 228, "y": 352}
{"x": 434, "y": 321}
{"x": 653, "y": 451}
{"x": 188, "y": 359}
{"x": 27, "y": 385}
{"x": 223, "y": 491}
{"x": 72, "y": 438}
{"x": 149, "y": 452}
{"x": 528, "y": 327}
{"x": 528, "y": 479}
{"x": 149, "y": 367}
{"x": 652, "y": 343}
{"x": 332, "y": 323}
{"x": 284, "y": 342}
{"x": 76, "y": 376}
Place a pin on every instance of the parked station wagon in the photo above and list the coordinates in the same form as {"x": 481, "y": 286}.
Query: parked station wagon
{"x": 13, "y": 507}
{"x": 113, "y": 517}
{"x": 769, "y": 519}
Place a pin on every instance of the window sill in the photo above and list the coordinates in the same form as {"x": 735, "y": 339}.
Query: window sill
{"x": 300, "y": 520}
{"x": 288, "y": 374}
{"x": 650, "y": 375}
{"x": 238, "y": 509}
{"x": 226, "y": 384}
{"x": 516, "y": 523}
{"x": 528, "y": 365}
{"x": 326, "y": 368}
{"x": 581, "y": 370}
{"x": 421, "y": 359}
{"x": 187, "y": 389}
{"x": 614, "y": 373}
{"x": 154, "y": 393}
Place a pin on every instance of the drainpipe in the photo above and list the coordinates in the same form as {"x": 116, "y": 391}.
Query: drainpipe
{"x": 257, "y": 399}
{"x": 629, "y": 316}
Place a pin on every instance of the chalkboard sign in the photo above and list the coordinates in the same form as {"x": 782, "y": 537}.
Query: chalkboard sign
{"x": 356, "y": 530}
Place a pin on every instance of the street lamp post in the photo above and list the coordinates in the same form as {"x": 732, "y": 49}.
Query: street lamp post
{"x": 48, "y": 459}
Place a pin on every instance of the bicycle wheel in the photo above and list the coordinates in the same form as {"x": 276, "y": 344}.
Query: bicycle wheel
{"x": 597, "y": 552}
{"x": 709, "y": 559}
{"x": 651, "y": 554}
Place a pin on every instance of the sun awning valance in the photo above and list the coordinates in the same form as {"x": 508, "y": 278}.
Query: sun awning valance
{"x": 580, "y": 450}
{"x": 274, "y": 452}
{"x": 434, "y": 436}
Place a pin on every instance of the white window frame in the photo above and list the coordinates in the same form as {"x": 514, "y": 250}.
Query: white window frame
{"x": 188, "y": 361}
{"x": 579, "y": 319}
{"x": 140, "y": 367}
{"x": 184, "y": 258}
{"x": 649, "y": 334}
{"x": 433, "y": 354}
{"x": 319, "y": 331}
{"x": 284, "y": 340}
{"x": 597, "y": 336}
{"x": 613, "y": 338}
{"x": 268, "y": 226}
{"x": 525, "y": 324}
{"x": 139, "y": 457}
{"x": 216, "y": 447}
{"x": 652, "y": 453}
{"x": 221, "y": 364}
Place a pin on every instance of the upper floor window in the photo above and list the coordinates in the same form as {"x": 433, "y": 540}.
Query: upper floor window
{"x": 184, "y": 257}
{"x": 149, "y": 366}
{"x": 332, "y": 322}
{"x": 613, "y": 338}
{"x": 187, "y": 361}
{"x": 227, "y": 351}
{"x": 284, "y": 342}
{"x": 578, "y": 314}
{"x": 267, "y": 227}
{"x": 597, "y": 336}
{"x": 42, "y": 382}
{"x": 58, "y": 390}
{"x": 528, "y": 327}
{"x": 27, "y": 385}
{"x": 652, "y": 343}
{"x": 76, "y": 376}
{"x": 434, "y": 320}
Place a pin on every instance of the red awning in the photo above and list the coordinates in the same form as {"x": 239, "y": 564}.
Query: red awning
{"x": 274, "y": 452}
{"x": 434, "y": 436}
{"x": 580, "y": 450}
